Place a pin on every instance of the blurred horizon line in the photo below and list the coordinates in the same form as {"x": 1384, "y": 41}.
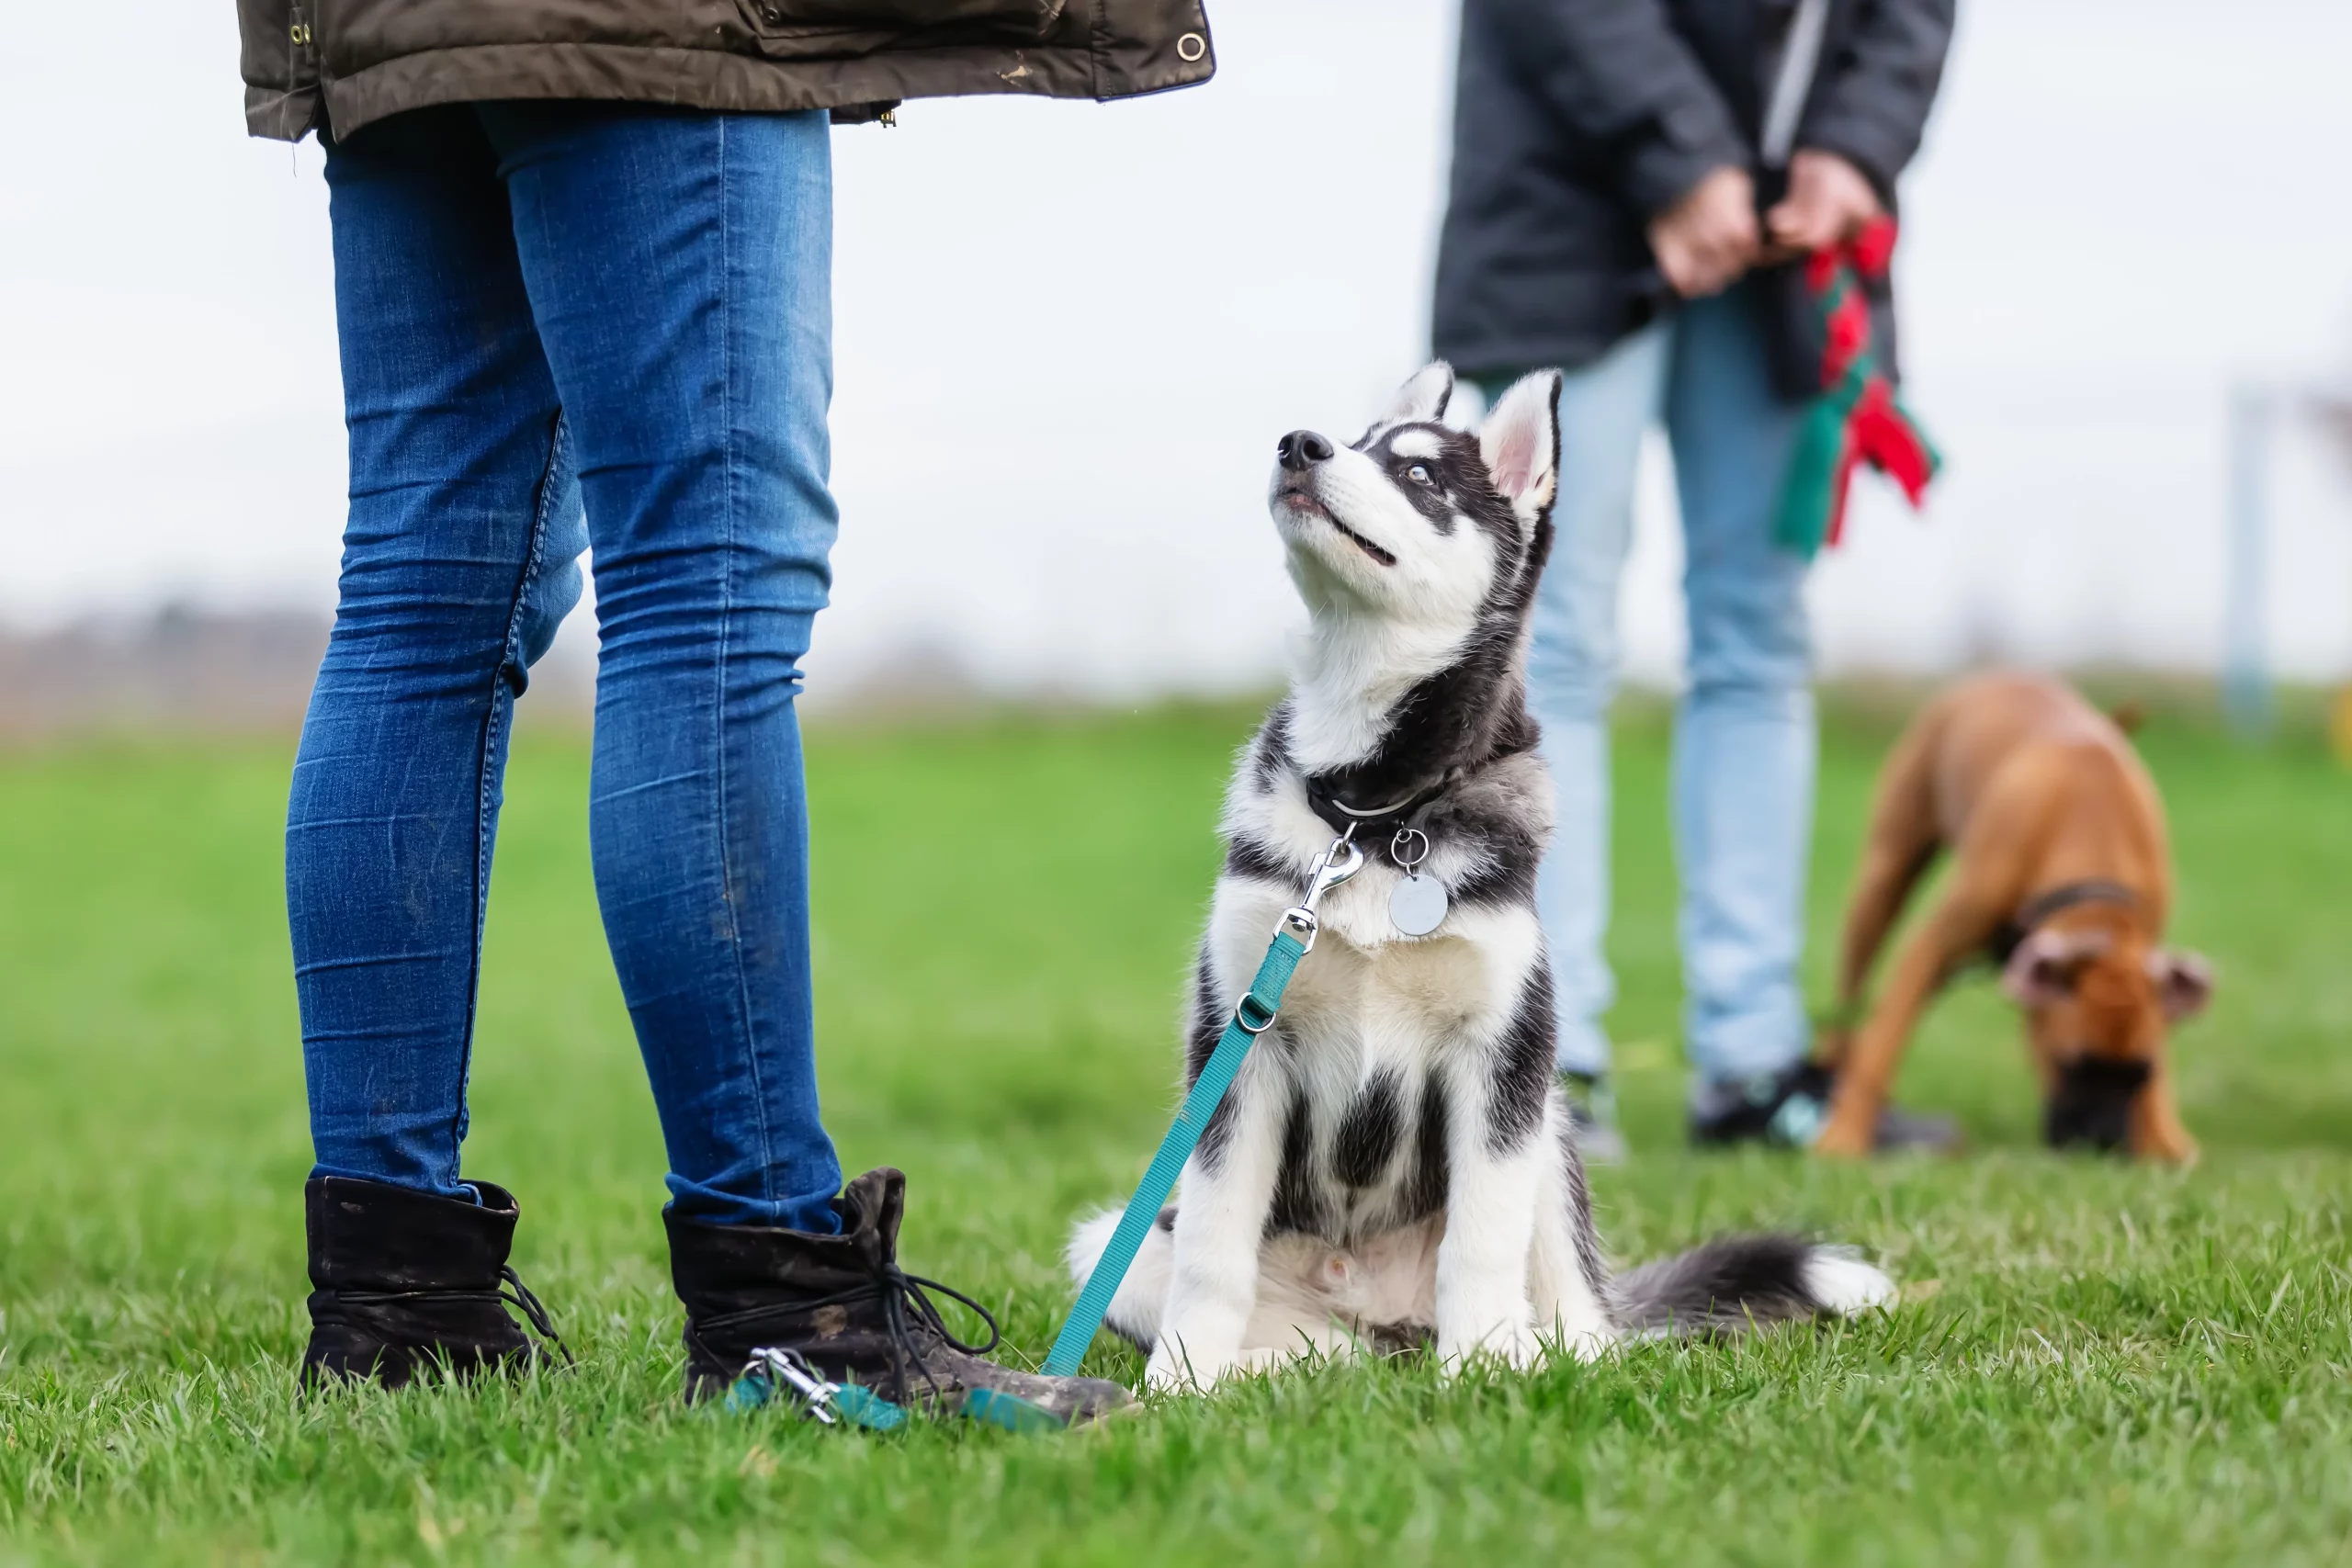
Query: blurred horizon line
{"x": 184, "y": 669}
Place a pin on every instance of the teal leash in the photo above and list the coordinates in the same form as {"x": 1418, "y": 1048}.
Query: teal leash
{"x": 1252, "y": 1016}
{"x": 1250, "y": 1019}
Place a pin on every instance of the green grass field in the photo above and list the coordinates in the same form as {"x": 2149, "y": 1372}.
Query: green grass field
{"x": 2094, "y": 1363}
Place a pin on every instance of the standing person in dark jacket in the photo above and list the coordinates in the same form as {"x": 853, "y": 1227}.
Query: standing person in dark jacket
{"x": 583, "y": 252}
{"x": 1625, "y": 172}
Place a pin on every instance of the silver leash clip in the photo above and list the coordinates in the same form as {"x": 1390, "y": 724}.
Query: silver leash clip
{"x": 1338, "y": 863}
{"x": 770, "y": 1368}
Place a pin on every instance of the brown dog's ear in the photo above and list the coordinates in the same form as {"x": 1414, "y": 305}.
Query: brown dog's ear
{"x": 2041, "y": 971}
{"x": 2184, "y": 982}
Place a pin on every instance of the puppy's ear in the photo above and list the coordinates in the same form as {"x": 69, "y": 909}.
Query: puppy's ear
{"x": 2184, "y": 982}
{"x": 1423, "y": 398}
{"x": 2042, "y": 971}
{"x": 1521, "y": 443}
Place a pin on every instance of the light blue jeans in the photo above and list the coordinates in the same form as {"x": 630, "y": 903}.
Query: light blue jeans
{"x": 1744, "y": 738}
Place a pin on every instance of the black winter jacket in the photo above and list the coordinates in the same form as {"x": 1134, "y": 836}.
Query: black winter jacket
{"x": 1575, "y": 121}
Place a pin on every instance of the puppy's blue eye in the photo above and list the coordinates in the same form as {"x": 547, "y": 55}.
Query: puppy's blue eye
{"x": 1420, "y": 474}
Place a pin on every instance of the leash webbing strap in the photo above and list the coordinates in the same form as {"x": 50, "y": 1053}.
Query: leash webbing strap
{"x": 1251, "y": 1016}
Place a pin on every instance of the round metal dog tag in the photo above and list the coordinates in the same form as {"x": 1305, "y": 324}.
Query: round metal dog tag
{"x": 1417, "y": 905}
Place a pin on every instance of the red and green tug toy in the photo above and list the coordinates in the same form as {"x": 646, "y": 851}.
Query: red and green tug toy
{"x": 1857, "y": 418}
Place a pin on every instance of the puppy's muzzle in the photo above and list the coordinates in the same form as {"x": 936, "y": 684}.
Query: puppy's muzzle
{"x": 2092, "y": 1104}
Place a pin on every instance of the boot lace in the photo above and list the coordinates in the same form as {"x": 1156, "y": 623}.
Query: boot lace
{"x": 911, "y": 1320}
{"x": 534, "y": 1310}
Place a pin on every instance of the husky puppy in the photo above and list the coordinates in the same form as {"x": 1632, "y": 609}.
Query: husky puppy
{"x": 1393, "y": 1165}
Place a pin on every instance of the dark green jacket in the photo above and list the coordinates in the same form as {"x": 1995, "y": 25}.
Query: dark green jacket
{"x": 341, "y": 64}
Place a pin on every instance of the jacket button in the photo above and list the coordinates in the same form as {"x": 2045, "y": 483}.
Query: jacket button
{"x": 771, "y": 16}
{"x": 1191, "y": 47}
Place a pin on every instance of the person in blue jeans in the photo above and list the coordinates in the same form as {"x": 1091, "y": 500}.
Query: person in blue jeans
{"x": 1611, "y": 160}
{"x": 568, "y": 323}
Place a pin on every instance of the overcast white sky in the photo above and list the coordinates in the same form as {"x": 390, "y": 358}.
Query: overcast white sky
{"x": 1069, "y": 335}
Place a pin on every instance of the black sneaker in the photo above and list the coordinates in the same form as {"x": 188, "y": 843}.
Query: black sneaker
{"x": 1593, "y": 1112}
{"x": 1788, "y": 1108}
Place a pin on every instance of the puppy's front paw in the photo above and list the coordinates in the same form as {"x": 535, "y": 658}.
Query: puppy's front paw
{"x": 1162, "y": 1375}
{"x": 1515, "y": 1345}
{"x": 1173, "y": 1370}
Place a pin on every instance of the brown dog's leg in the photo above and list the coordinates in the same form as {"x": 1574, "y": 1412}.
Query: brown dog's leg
{"x": 2156, "y": 1132}
{"x": 1957, "y": 925}
{"x": 1902, "y": 843}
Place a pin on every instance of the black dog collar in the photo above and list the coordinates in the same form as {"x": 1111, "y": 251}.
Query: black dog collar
{"x": 2038, "y": 910}
{"x": 1375, "y": 824}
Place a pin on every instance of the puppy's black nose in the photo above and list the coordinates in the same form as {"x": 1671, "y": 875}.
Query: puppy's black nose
{"x": 1301, "y": 449}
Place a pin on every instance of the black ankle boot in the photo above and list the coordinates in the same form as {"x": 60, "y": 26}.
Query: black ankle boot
{"x": 404, "y": 1280}
{"x": 842, "y": 1304}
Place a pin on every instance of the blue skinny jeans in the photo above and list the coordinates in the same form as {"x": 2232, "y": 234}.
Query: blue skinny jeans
{"x": 542, "y": 306}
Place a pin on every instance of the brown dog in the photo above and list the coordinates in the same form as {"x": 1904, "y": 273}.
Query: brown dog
{"x": 2061, "y": 875}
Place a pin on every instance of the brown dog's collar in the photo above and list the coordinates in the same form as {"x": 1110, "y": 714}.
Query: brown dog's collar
{"x": 2037, "y": 911}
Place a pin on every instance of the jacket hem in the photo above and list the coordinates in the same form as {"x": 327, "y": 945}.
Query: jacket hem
{"x": 721, "y": 80}
{"x": 1486, "y": 360}
{"x": 280, "y": 114}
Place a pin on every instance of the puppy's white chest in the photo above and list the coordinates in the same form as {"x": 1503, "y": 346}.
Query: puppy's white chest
{"x": 1384, "y": 907}
{"x": 1411, "y": 994}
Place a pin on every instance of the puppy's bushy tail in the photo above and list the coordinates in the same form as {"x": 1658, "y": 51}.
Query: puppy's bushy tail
{"x": 1733, "y": 1283}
